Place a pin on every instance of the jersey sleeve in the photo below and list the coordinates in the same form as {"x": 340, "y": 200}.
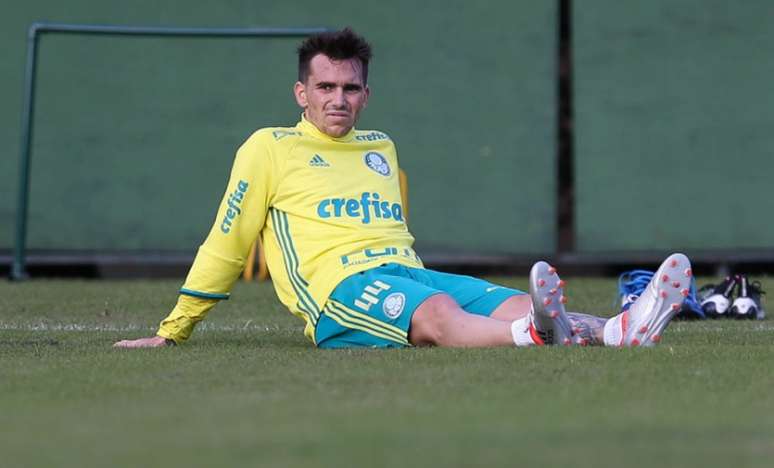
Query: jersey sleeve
{"x": 221, "y": 258}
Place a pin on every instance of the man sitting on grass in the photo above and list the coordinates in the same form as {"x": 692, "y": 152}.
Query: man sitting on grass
{"x": 325, "y": 199}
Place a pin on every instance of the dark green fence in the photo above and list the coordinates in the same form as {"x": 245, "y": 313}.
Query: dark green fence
{"x": 674, "y": 117}
{"x": 134, "y": 136}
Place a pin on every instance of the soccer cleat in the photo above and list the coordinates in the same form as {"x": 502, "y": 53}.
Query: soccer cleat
{"x": 548, "y": 320}
{"x": 747, "y": 304}
{"x": 632, "y": 283}
{"x": 644, "y": 321}
{"x": 717, "y": 303}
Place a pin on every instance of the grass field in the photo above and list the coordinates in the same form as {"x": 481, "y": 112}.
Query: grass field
{"x": 248, "y": 390}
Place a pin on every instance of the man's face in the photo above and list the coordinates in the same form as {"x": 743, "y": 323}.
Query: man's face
{"x": 333, "y": 94}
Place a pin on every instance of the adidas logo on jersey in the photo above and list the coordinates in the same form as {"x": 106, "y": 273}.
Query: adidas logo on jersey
{"x": 318, "y": 161}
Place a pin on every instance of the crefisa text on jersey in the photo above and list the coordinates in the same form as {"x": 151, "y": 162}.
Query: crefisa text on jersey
{"x": 233, "y": 202}
{"x": 363, "y": 208}
{"x": 372, "y": 136}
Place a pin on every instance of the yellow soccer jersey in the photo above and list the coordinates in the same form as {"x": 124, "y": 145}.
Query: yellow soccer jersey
{"x": 325, "y": 207}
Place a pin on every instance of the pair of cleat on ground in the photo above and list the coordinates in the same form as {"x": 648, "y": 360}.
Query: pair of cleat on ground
{"x": 747, "y": 304}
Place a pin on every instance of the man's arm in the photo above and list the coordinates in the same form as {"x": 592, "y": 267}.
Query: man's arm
{"x": 220, "y": 259}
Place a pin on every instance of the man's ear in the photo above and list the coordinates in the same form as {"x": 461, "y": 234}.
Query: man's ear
{"x": 367, "y": 94}
{"x": 299, "y": 91}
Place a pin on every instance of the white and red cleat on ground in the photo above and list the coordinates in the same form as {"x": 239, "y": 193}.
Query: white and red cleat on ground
{"x": 645, "y": 320}
{"x": 548, "y": 321}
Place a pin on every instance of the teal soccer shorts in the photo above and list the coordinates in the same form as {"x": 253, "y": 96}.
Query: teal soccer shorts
{"x": 374, "y": 308}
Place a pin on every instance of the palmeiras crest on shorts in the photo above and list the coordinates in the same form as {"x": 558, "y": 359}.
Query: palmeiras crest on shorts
{"x": 393, "y": 305}
{"x": 377, "y": 163}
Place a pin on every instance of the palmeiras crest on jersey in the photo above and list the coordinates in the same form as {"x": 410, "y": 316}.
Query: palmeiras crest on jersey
{"x": 393, "y": 305}
{"x": 377, "y": 163}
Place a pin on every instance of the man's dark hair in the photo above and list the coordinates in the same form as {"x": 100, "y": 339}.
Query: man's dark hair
{"x": 336, "y": 45}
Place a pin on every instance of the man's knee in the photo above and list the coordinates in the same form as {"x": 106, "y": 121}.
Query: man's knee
{"x": 427, "y": 323}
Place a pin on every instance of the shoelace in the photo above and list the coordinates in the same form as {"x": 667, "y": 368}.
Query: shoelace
{"x": 633, "y": 282}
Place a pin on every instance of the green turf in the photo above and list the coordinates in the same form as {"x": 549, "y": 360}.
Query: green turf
{"x": 248, "y": 390}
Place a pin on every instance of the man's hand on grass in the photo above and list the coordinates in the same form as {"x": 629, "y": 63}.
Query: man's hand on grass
{"x": 150, "y": 342}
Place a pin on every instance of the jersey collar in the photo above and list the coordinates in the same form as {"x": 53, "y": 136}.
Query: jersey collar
{"x": 308, "y": 127}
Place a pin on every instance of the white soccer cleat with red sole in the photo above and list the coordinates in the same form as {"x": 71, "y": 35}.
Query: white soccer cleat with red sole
{"x": 548, "y": 321}
{"x": 645, "y": 320}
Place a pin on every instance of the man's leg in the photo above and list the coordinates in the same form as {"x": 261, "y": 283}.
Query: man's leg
{"x": 643, "y": 323}
{"x": 441, "y": 321}
{"x": 544, "y": 324}
{"x": 393, "y": 305}
{"x": 589, "y": 329}
{"x": 438, "y": 319}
